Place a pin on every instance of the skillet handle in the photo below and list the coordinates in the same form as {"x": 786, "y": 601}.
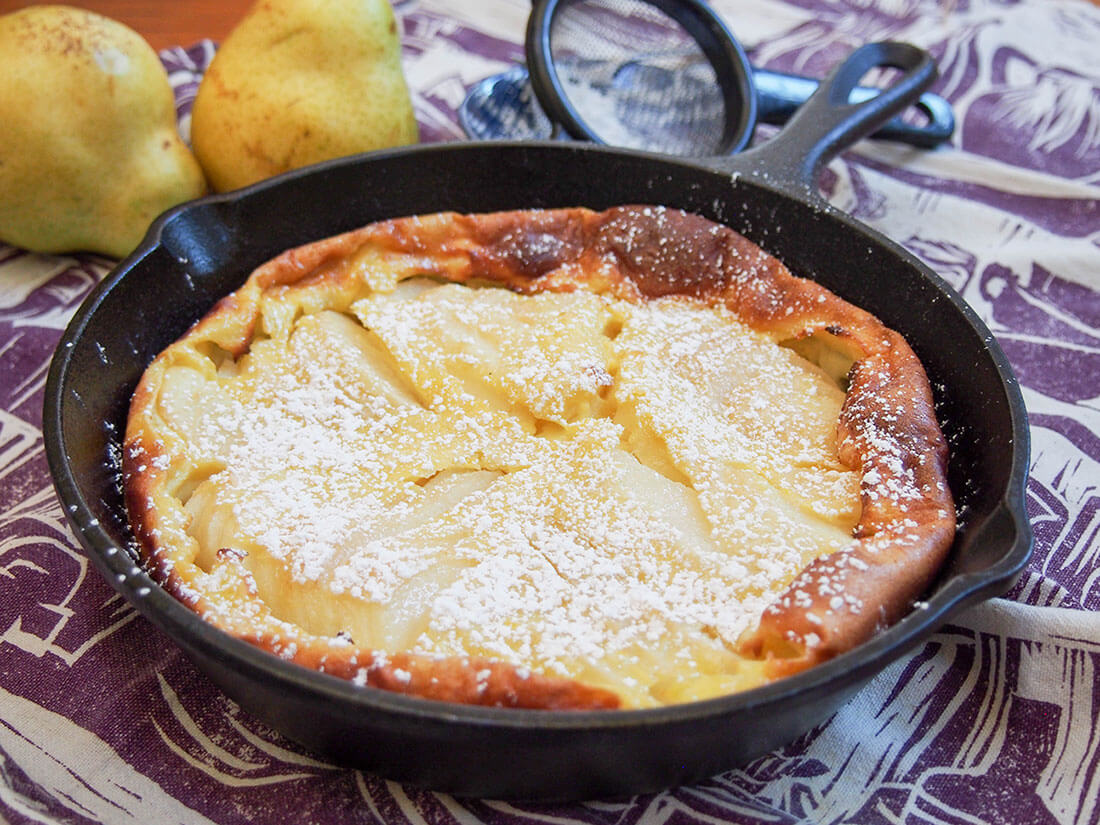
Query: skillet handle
{"x": 828, "y": 123}
{"x": 779, "y": 94}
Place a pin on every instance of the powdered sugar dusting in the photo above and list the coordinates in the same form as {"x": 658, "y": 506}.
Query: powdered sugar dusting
{"x": 473, "y": 472}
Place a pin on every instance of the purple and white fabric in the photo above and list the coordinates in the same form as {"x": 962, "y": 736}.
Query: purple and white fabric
{"x": 996, "y": 719}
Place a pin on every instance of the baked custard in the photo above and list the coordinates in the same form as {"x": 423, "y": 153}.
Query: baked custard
{"x": 540, "y": 459}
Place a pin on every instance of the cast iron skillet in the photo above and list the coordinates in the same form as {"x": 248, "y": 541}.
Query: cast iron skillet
{"x": 201, "y": 251}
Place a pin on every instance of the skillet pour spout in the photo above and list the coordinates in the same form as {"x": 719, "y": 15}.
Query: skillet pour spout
{"x": 197, "y": 253}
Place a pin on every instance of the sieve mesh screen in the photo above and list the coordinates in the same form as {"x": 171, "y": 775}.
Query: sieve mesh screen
{"x": 637, "y": 78}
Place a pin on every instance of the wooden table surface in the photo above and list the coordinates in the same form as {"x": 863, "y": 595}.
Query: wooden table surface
{"x": 167, "y": 23}
{"x": 163, "y": 23}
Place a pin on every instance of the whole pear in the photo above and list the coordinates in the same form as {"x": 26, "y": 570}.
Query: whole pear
{"x": 89, "y": 149}
{"x": 300, "y": 81}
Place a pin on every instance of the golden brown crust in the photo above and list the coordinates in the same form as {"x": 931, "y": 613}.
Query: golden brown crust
{"x": 887, "y": 428}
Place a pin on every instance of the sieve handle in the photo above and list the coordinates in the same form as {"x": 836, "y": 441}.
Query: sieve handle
{"x": 779, "y": 95}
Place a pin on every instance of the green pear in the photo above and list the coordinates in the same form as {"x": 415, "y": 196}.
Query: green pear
{"x": 300, "y": 81}
{"x": 89, "y": 149}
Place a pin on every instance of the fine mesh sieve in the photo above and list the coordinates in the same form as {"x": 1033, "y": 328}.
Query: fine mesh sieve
{"x": 669, "y": 76}
{"x": 643, "y": 74}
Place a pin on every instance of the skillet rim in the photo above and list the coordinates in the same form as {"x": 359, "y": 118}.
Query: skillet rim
{"x": 843, "y": 673}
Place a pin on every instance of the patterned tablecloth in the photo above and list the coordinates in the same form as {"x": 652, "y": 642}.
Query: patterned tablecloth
{"x": 995, "y": 719}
